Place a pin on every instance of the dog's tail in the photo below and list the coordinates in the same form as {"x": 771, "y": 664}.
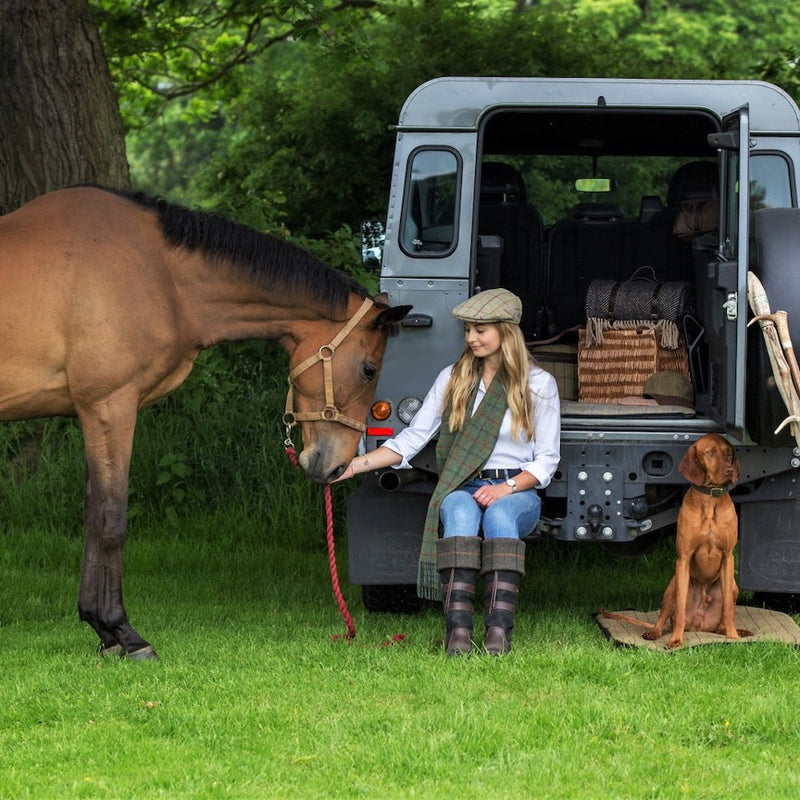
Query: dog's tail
{"x": 625, "y": 618}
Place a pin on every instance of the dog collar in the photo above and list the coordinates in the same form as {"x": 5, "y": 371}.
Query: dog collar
{"x": 713, "y": 491}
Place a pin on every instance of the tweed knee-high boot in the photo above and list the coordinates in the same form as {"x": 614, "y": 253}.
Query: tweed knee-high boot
{"x": 503, "y": 565}
{"x": 458, "y": 559}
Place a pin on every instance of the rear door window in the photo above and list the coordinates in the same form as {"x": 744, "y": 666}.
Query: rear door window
{"x": 430, "y": 207}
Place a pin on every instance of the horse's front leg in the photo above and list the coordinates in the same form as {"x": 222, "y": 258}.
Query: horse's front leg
{"x": 108, "y": 436}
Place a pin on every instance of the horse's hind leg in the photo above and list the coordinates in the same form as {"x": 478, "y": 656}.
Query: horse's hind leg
{"x": 108, "y": 437}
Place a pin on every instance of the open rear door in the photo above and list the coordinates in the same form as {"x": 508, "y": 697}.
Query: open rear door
{"x": 725, "y": 296}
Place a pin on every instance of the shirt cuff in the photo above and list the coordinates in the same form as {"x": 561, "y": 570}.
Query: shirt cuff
{"x": 405, "y": 463}
{"x": 538, "y": 473}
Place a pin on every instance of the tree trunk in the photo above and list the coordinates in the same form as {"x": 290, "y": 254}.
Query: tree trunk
{"x": 59, "y": 116}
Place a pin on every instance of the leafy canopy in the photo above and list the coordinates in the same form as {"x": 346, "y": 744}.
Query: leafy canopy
{"x": 280, "y": 113}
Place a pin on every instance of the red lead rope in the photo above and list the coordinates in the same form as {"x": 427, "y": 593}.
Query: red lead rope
{"x": 337, "y": 592}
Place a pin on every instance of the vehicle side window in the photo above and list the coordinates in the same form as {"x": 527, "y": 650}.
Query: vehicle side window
{"x": 730, "y": 203}
{"x": 431, "y": 202}
{"x": 770, "y": 181}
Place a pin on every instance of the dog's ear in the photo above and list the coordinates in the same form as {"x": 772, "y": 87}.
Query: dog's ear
{"x": 690, "y": 467}
{"x": 734, "y": 464}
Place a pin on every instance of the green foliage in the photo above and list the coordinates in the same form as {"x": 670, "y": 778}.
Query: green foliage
{"x": 301, "y": 139}
{"x": 173, "y": 470}
{"x": 216, "y": 440}
{"x": 160, "y": 50}
{"x": 341, "y": 250}
{"x": 43, "y": 473}
{"x": 783, "y": 69}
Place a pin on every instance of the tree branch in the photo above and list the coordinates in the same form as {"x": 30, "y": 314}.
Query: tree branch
{"x": 246, "y": 51}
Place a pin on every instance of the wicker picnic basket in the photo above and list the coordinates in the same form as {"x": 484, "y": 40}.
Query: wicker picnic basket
{"x": 561, "y": 361}
{"x": 620, "y": 365}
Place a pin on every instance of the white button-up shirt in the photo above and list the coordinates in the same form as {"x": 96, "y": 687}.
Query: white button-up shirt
{"x": 540, "y": 456}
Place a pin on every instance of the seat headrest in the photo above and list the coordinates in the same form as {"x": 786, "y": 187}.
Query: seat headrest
{"x": 650, "y": 206}
{"x": 501, "y": 183}
{"x": 697, "y": 180}
{"x": 597, "y": 211}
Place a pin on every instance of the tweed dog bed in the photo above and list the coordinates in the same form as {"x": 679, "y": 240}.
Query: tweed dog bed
{"x": 765, "y": 626}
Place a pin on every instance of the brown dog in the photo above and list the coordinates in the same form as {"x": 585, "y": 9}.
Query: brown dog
{"x": 702, "y": 594}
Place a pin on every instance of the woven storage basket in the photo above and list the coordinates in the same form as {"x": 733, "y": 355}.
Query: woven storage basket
{"x": 620, "y": 366}
{"x": 561, "y": 361}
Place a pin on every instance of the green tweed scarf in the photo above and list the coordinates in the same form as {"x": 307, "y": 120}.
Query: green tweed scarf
{"x": 460, "y": 455}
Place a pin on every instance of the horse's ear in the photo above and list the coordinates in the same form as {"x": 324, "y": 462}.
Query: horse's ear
{"x": 391, "y": 316}
{"x": 690, "y": 469}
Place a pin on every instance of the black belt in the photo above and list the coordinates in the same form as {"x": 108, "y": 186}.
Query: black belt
{"x": 494, "y": 474}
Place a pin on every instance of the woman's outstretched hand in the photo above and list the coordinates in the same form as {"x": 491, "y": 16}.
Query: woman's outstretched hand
{"x": 348, "y": 472}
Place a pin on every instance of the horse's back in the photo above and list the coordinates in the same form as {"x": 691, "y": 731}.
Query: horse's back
{"x": 68, "y": 230}
{"x": 64, "y": 211}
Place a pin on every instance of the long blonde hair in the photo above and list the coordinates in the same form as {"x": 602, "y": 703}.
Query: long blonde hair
{"x": 513, "y": 373}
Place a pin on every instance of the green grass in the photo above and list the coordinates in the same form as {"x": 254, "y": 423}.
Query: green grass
{"x": 253, "y": 699}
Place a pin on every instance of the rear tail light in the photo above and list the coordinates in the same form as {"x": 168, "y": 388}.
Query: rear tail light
{"x": 381, "y": 410}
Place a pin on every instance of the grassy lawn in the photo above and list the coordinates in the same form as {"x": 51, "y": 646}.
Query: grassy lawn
{"x": 253, "y": 699}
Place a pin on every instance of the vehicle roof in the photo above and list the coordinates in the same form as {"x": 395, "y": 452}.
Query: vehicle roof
{"x": 460, "y": 102}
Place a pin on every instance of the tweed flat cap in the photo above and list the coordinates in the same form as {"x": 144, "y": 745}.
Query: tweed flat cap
{"x": 670, "y": 388}
{"x": 492, "y": 305}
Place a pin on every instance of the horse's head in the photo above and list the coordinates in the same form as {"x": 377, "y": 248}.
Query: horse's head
{"x": 333, "y": 373}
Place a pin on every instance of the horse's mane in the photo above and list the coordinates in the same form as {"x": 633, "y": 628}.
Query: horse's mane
{"x": 263, "y": 257}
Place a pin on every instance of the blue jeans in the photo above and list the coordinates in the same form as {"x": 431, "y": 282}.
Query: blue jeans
{"x": 509, "y": 517}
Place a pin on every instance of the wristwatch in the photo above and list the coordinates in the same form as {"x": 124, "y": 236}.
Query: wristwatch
{"x": 512, "y": 483}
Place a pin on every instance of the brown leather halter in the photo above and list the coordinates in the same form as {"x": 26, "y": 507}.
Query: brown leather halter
{"x": 325, "y": 354}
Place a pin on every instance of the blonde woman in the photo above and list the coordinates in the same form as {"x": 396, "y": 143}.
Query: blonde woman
{"x": 497, "y": 416}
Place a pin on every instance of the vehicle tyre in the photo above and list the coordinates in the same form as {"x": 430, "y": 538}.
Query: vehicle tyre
{"x": 776, "y": 601}
{"x": 391, "y": 599}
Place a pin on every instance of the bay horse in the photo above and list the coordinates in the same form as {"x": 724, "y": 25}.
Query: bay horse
{"x": 106, "y": 300}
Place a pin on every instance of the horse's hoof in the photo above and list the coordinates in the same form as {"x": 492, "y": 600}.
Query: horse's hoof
{"x": 146, "y": 653}
{"x": 113, "y": 650}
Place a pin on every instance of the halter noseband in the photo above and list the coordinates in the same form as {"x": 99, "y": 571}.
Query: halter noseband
{"x": 325, "y": 354}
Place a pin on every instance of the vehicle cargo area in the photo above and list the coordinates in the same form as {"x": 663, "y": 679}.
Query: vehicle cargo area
{"x": 605, "y": 222}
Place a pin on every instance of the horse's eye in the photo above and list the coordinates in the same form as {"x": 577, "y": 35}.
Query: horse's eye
{"x": 369, "y": 371}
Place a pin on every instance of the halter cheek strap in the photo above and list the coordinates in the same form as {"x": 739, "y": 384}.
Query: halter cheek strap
{"x": 325, "y": 354}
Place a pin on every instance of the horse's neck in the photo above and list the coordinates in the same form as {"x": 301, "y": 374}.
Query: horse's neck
{"x": 223, "y": 307}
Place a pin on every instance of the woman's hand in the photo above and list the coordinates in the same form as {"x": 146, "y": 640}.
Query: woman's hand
{"x": 486, "y": 495}
{"x": 348, "y": 472}
{"x": 377, "y": 459}
{"x": 357, "y": 465}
